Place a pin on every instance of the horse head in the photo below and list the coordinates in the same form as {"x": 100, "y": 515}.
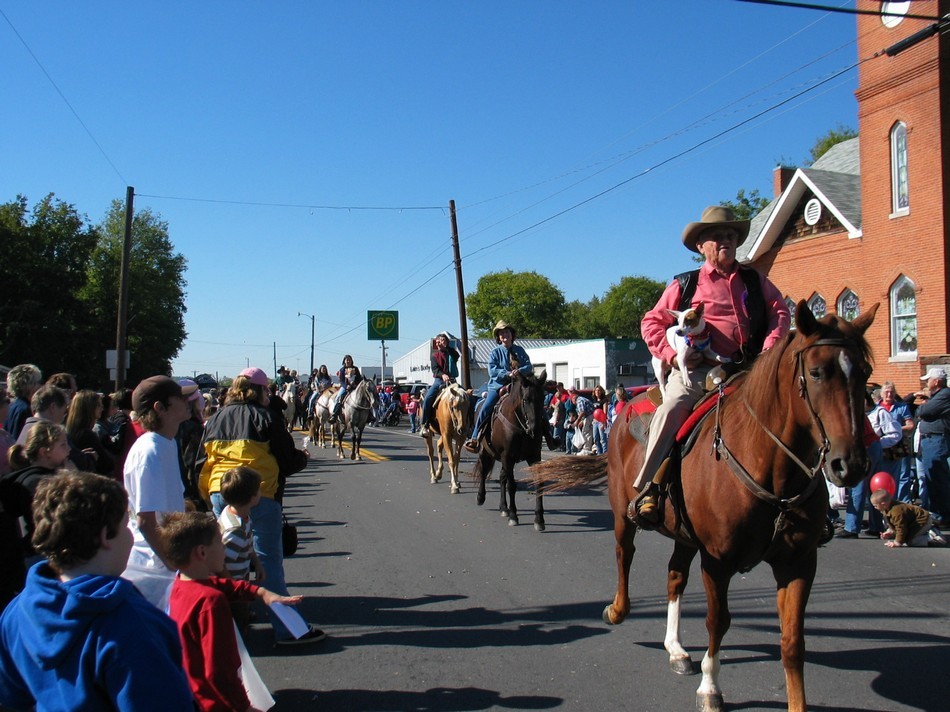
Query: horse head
{"x": 527, "y": 393}
{"x": 831, "y": 363}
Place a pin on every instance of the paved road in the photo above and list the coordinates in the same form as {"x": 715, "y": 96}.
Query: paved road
{"x": 433, "y": 603}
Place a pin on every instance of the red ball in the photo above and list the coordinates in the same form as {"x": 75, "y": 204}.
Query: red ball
{"x": 884, "y": 481}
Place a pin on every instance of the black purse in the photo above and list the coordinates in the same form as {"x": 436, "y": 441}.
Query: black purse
{"x": 288, "y": 536}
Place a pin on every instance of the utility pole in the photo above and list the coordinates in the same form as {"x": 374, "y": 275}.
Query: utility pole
{"x": 312, "y": 318}
{"x": 463, "y": 319}
{"x": 121, "y": 326}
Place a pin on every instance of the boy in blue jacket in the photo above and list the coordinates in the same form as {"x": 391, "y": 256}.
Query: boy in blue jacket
{"x": 78, "y": 636}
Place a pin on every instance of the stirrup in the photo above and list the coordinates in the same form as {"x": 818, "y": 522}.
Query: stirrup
{"x": 471, "y": 445}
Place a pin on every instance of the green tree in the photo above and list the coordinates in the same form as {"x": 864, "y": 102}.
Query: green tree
{"x": 745, "y": 206}
{"x": 156, "y": 309}
{"x": 624, "y": 304}
{"x": 834, "y": 136}
{"x": 42, "y": 318}
{"x": 582, "y": 320}
{"x": 527, "y": 300}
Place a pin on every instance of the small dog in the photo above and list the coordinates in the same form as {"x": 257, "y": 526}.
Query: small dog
{"x": 688, "y": 335}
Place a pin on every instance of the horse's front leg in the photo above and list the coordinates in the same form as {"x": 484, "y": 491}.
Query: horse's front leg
{"x": 677, "y": 577}
{"x": 484, "y": 465}
{"x": 718, "y": 619}
{"x": 794, "y": 580}
{"x": 355, "y": 444}
{"x": 508, "y": 486}
{"x": 439, "y": 448}
{"x": 624, "y": 532}
{"x": 430, "y": 453}
{"x": 453, "y": 452}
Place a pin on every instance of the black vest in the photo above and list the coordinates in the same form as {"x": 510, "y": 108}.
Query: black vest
{"x": 755, "y": 304}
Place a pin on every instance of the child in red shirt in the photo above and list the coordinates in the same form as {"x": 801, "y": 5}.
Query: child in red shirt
{"x": 199, "y": 605}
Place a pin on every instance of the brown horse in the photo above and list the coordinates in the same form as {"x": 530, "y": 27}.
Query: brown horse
{"x": 452, "y": 423}
{"x": 796, "y": 415}
{"x": 517, "y": 428}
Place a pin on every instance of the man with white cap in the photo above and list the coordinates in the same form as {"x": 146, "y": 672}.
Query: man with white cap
{"x": 934, "y": 415}
{"x": 744, "y": 312}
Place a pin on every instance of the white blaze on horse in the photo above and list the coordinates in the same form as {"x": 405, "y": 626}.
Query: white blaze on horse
{"x": 288, "y": 395}
{"x": 451, "y": 425}
{"x": 358, "y": 408}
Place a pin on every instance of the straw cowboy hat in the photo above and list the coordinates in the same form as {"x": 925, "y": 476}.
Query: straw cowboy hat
{"x": 501, "y": 326}
{"x": 715, "y": 216}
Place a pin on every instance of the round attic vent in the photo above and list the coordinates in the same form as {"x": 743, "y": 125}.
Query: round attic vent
{"x": 812, "y": 211}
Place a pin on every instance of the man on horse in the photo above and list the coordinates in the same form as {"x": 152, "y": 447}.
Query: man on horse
{"x": 504, "y": 363}
{"x": 444, "y": 362}
{"x": 744, "y": 312}
{"x": 349, "y": 376}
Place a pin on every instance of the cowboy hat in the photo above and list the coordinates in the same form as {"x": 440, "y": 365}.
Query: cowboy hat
{"x": 715, "y": 216}
{"x": 501, "y": 326}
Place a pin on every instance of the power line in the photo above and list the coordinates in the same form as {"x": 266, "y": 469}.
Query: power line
{"x": 65, "y": 100}
{"x": 305, "y": 206}
{"x": 844, "y": 10}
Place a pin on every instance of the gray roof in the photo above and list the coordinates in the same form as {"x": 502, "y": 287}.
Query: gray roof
{"x": 836, "y": 178}
{"x": 844, "y": 157}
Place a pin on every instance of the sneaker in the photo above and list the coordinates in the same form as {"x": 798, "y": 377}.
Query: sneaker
{"x": 425, "y": 432}
{"x": 471, "y": 445}
{"x": 314, "y": 635}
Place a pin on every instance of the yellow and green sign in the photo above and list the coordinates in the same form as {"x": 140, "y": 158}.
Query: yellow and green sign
{"x": 382, "y": 325}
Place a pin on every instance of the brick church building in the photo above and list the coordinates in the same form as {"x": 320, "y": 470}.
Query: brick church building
{"x": 870, "y": 220}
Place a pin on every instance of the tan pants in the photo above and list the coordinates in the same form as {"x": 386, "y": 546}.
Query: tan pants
{"x": 677, "y": 404}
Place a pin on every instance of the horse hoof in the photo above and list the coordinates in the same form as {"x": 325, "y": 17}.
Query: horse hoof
{"x": 708, "y": 702}
{"x": 539, "y": 527}
{"x": 503, "y": 512}
{"x": 456, "y": 489}
{"x": 513, "y": 521}
{"x": 433, "y": 481}
{"x": 682, "y": 666}
{"x": 609, "y": 617}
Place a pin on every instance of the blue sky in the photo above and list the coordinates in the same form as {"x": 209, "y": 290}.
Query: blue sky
{"x": 577, "y": 139}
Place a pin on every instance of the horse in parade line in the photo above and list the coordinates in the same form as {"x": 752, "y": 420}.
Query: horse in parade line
{"x": 289, "y": 396}
{"x": 451, "y": 425}
{"x": 750, "y": 487}
{"x": 518, "y": 426}
{"x": 358, "y": 409}
{"x": 319, "y": 422}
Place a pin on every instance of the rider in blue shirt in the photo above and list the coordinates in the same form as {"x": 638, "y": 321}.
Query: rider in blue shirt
{"x": 504, "y": 362}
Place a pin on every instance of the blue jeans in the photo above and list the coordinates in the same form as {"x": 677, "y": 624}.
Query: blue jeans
{"x": 905, "y": 478}
{"x": 267, "y": 524}
{"x": 860, "y": 496}
{"x": 488, "y": 405}
{"x": 428, "y": 403}
{"x": 935, "y": 496}
{"x": 600, "y": 437}
{"x": 412, "y": 422}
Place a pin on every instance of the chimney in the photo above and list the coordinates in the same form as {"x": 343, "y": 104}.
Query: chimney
{"x": 781, "y": 177}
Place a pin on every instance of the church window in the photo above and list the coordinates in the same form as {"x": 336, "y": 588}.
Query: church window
{"x": 848, "y": 305}
{"x": 903, "y": 299}
{"x": 900, "y": 194}
{"x": 818, "y": 305}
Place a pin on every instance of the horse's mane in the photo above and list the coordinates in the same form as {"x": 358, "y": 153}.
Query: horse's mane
{"x": 761, "y": 385}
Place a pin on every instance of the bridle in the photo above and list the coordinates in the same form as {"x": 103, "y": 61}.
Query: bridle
{"x": 783, "y": 504}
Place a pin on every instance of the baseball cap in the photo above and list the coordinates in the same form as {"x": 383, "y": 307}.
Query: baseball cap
{"x": 152, "y": 390}
{"x": 189, "y": 389}
{"x": 255, "y": 376}
{"x": 934, "y": 372}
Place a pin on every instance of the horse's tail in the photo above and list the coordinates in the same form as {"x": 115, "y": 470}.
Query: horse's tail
{"x": 564, "y": 473}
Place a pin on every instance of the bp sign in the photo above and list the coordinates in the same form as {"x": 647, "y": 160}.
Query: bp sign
{"x": 382, "y": 325}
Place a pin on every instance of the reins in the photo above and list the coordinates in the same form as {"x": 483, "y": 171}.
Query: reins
{"x": 722, "y": 451}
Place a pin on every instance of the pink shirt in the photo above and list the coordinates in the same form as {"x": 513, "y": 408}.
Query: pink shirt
{"x": 724, "y": 311}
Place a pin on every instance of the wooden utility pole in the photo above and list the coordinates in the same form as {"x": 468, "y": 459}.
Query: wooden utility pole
{"x": 121, "y": 326}
{"x": 463, "y": 319}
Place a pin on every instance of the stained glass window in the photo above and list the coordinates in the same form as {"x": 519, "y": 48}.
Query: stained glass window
{"x": 817, "y": 305}
{"x": 791, "y": 311}
{"x": 903, "y": 317}
{"x": 900, "y": 194}
{"x": 848, "y": 305}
